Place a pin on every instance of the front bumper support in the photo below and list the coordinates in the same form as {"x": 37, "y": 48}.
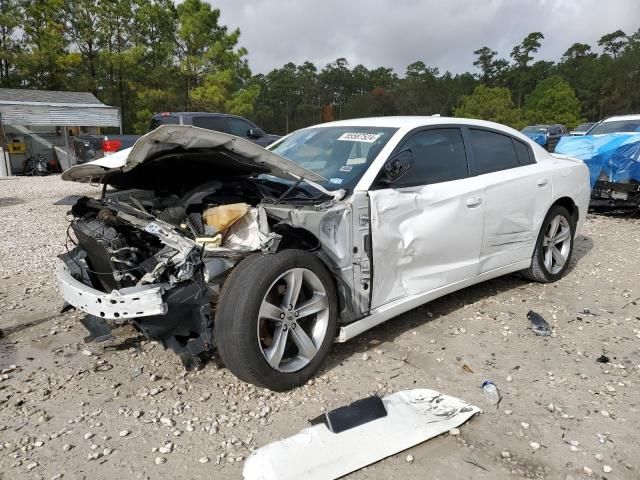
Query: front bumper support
{"x": 131, "y": 302}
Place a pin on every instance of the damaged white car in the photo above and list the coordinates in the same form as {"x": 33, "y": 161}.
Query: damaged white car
{"x": 205, "y": 241}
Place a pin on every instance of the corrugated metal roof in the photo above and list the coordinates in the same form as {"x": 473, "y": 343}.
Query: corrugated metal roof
{"x": 47, "y": 96}
{"x": 43, "y": 114}
{"x": 44, "y": 107}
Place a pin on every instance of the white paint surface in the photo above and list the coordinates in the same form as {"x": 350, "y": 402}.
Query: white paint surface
{"x": 413, "y": 416}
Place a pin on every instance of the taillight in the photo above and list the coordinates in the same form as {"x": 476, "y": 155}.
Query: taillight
{"x": 110, "y": 146}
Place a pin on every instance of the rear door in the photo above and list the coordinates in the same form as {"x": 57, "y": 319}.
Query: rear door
{"x": 518, "y": 192}
{"x": 426, "y": 228}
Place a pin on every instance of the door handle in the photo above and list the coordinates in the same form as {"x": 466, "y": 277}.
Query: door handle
{"x": 473, "y": 202}
{"x": 543, "y": 182}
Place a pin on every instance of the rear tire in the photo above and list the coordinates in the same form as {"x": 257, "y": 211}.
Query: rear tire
{"x": 554, "y": 247}
{"x": 276, "y": 319}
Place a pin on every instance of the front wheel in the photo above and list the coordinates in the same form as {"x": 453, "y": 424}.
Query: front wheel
{"x": 276, "y": 319}
{"x": 554, "y": 247}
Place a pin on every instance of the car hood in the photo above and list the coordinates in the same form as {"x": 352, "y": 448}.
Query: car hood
{"x": 241, "y": 157}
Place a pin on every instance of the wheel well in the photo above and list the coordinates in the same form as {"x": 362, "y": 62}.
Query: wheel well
{"x": 569, "y": 204}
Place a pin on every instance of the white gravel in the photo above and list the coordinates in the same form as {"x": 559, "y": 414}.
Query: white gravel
{"x": 204, "y": 424}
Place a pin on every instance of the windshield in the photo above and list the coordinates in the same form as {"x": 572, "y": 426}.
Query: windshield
{"x": 616, "y": 126}
{"x": 535, "y": 129}
{"x": 339, "y": 154}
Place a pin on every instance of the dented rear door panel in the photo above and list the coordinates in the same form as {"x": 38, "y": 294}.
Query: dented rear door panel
{"x": 517, "y": 201}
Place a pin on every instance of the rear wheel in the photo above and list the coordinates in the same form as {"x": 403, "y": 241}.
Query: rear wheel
{"x": 276, "y": 319}
{"x": 554, "y": 247}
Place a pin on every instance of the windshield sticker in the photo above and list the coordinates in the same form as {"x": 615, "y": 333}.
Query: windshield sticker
{"x": 346, "y": 168}
{"x": 359, "y": 137}
{"x": 337, "y": 181}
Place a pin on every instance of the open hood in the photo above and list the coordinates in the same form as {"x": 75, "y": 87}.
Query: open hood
{"x": 222, "y": 154}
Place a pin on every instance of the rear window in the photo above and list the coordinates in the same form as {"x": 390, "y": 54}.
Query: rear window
{"x": 492, "y": 152}
{"x": 158, "y": 120}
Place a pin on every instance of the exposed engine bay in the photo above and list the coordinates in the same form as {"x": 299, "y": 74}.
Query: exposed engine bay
{"x": 186, "y": 243}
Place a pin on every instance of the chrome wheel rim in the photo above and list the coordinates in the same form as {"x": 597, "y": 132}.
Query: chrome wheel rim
{"x": 557, "y": 244}
{"x": 293, "y": 320}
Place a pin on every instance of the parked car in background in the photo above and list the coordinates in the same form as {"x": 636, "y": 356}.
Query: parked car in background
{"x": 621, "y": 123}
{"x": 582, "y": 129}
{"x": 611, "y": 150}
{"x": 220, "y": 122}
{"x": 547, "y": 136}
{"x": 88, "y": 147}
{"x": 207, "y": 241}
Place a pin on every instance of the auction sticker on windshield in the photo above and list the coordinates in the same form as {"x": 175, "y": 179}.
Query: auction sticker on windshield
{"x": 359, "y": 137}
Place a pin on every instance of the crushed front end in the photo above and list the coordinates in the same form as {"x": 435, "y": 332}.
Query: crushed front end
{"x": 129, "y": 266}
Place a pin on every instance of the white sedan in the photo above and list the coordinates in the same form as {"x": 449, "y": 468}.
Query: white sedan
{"x": 207, "y": 242}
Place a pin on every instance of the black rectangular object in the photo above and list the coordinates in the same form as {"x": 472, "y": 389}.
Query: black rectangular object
{"x": 357, "y": 413}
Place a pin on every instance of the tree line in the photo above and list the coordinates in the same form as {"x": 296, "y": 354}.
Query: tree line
{"x": 147, "y": 56}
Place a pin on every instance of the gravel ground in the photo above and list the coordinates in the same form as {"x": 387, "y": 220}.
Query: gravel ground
{"x": 128, "y": 410}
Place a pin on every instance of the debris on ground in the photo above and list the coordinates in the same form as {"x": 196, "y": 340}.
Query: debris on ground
{"x": 317, "y": 453}
{"x": 538, "y": 324}
{"x": 491, "y": 393}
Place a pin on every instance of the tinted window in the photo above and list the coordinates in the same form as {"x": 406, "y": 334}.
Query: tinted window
{"x": 158, "y": 120}
{"x": 492, "y": 152}
{"x": 525, "y": 157}
{"x": 437, "y": 156}
{"x": 209, "y": 122}
{"x": 238, "y": 126}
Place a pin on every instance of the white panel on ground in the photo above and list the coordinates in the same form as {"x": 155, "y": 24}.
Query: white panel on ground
{"x": 316, "y": 453}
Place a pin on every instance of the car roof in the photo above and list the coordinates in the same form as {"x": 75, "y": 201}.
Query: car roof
{"x": 414, "y": 121}
{"x": 622, "y": 117}
{"x": 212, "y": 114}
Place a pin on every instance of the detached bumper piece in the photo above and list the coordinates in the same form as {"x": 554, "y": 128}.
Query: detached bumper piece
{"x": 358, "y": 435}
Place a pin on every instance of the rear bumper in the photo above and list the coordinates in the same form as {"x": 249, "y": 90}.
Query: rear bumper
{"x": 132, "y": 302}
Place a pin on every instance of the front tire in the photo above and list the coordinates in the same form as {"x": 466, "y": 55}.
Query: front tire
{"x": 276, "y": 319}
{"x": 554, "y": 247}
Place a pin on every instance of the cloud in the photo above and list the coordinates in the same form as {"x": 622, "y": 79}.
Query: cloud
{"x": 395, "y": 33}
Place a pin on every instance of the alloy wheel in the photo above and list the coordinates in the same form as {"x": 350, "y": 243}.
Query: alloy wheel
{"x": 293, "y": 320}
{"x": 556, "y": 244}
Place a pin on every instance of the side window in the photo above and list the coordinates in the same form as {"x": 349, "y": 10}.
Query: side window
{"x": 238, "y": 127}
{"x": 492, "y": 152}
{"x": 437, "y": 156}
{"x": 523, "y": 152}
{"x": 209, "y": 122}
{"x": 158, "y": 120}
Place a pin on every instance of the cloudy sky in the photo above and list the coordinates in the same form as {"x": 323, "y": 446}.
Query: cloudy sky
{"x": 395, "y": 33}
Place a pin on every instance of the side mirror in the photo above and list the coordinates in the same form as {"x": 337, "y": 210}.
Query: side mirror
{"x": 255, "y": 132}
{"x": 395, "y": 167}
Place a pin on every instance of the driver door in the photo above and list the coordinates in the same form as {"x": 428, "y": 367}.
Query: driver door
{"x": 426, "y": 227}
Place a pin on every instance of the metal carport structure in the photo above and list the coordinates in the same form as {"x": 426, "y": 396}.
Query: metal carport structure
{"x": 22, "y": 109}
